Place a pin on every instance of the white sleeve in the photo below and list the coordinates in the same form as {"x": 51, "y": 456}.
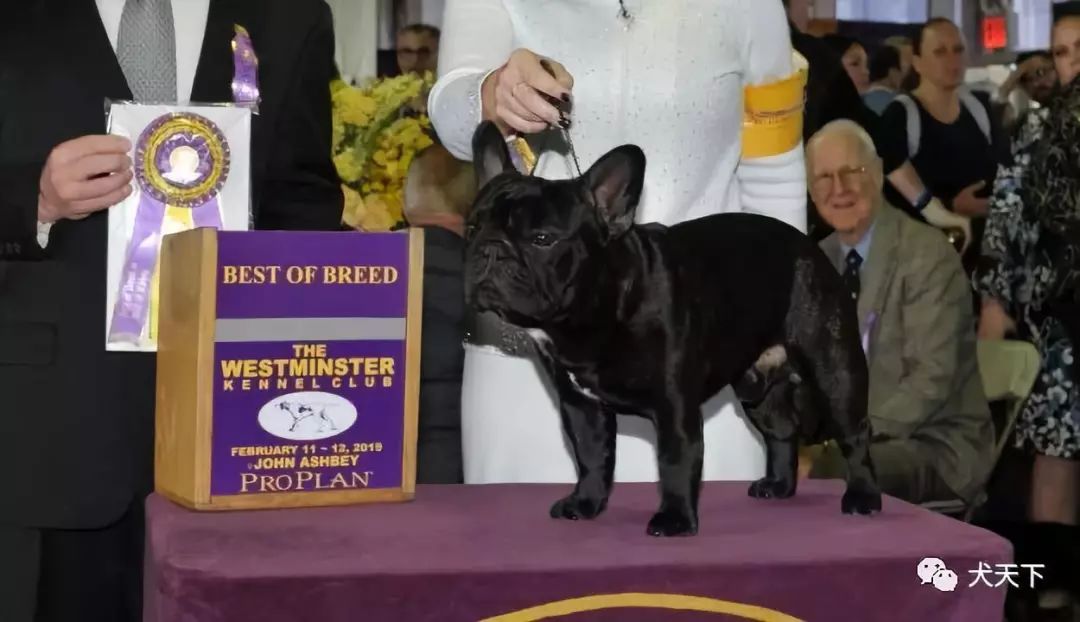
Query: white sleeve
{"x": 774, "y": 185}
{"x": 477, "y": 38}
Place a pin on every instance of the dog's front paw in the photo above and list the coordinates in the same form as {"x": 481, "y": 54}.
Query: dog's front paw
{"x": 860, "y": 501}
{"x": 671, "y": 523}
{"x": 769, "y": 488}
{"x": 574, "y": 507}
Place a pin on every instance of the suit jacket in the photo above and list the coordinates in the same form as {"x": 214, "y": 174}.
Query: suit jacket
{"x": 924, "y": 375}
{"x": 80, "y": 420}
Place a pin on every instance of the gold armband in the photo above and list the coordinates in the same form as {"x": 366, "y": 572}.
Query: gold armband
{"x": 773, "y": 114}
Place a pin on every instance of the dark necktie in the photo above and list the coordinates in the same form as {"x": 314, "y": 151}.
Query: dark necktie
{"x": 146, "y": 50}
{"x": 851, "y": 273}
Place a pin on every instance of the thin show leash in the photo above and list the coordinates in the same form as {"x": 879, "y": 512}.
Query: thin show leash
{"x": 530, "y": 161}
{"x": 522, "y": 147}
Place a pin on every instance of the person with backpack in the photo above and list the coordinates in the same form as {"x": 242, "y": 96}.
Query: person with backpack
{"x": 947, "y": 132}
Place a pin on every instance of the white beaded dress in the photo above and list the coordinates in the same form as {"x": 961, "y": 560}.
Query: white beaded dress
{"x": 670, "y": 80}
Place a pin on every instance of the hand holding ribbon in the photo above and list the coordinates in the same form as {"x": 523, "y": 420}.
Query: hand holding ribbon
{"x": 84, "y": 175}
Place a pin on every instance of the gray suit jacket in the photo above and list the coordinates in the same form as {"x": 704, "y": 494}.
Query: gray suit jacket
{"x": 924, "y": 375}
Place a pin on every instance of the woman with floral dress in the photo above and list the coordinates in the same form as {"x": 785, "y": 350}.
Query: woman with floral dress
{"x": 1030, "y": 279}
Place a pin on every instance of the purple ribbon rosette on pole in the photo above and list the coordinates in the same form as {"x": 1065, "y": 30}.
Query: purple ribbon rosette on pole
{"x": 181, "y": 162}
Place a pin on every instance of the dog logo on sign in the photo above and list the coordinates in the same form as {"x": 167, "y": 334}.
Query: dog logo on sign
{"x": 300, "y": 412}
{"x": 307, "y": 416}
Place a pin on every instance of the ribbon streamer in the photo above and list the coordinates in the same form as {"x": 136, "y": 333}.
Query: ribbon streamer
{"x": 132, "y": 300}
{"x": 245, "y": 84}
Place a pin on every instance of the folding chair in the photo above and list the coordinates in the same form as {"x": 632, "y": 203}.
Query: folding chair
{"x": 1009, "y": 369}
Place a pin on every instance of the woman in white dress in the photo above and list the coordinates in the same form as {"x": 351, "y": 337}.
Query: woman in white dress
{"x": 680, "y": 79}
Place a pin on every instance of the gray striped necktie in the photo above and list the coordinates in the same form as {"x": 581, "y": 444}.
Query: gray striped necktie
{"x": 146, "y": 49}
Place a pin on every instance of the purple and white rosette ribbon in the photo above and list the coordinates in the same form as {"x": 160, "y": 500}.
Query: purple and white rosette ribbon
{"x": 181, "y": 161}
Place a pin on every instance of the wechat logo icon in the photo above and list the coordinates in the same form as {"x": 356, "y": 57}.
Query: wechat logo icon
{"x": 933, "y": 571}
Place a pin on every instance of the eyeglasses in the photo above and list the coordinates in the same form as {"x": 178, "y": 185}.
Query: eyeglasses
{"x": 849, "y": 178}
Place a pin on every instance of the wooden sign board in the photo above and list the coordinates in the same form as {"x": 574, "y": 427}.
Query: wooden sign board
{"x": 288, "y": 368}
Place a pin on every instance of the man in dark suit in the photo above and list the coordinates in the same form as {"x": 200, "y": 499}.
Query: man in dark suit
{"x": 79, "y": 421}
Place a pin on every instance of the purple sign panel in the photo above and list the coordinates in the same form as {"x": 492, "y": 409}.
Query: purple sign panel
{"x": 309, "y": 362}
{"x": 288, "y": 274}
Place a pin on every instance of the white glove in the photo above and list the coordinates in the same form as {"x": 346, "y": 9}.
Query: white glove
{"x": 936, "y": 214}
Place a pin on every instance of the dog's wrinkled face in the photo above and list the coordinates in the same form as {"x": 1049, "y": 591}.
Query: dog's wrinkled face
{"x": 535, "y": 247}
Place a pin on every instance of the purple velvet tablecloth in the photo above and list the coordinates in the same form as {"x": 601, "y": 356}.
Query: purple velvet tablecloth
{"x": 479, "y": 552}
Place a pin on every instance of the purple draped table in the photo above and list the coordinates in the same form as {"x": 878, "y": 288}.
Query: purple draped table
{"x": 490, "y": 552}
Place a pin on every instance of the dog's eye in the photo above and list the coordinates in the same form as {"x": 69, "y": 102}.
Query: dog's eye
{"x": 542, "y": 239}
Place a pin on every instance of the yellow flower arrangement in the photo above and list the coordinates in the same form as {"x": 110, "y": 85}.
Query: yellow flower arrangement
{"x": 378, "y": 128}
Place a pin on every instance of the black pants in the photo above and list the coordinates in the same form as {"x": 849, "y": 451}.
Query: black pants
{"x": 61, "y": 575}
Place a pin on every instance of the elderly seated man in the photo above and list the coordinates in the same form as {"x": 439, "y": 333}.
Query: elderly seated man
{"x": 932, "y": 434}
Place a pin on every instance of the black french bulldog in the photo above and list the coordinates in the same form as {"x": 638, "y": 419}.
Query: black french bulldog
{"x": 653, "y": 320}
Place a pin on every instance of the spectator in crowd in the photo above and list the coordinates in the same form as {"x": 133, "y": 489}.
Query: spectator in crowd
{"x": 1029, "y": 280}
{"x": 417, "y": 48}
{"x": 947, "y": 132}
{"x": 830, "y": 92}
{"x": 933, "y": 435}
{"x": 439, "y": 190}
{"x": 1028, "y": 86}
{"x": 854, "y": 59}
{"x": 886, "y": 76}
{"x": 905, "y": 46}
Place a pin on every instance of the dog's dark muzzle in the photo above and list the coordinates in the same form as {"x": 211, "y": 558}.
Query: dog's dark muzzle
{"x": 482, "y": 268}
{"x": 486, "y": 256}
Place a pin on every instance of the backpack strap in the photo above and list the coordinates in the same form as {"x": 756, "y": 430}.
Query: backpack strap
{"x": 914, "y": 123}
{"x": 977, "y": 110}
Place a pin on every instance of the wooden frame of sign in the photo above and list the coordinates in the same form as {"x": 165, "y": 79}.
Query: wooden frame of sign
{"x": 214, "y": 450}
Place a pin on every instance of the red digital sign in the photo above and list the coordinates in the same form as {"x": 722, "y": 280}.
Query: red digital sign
{"x": 995, "y": 32}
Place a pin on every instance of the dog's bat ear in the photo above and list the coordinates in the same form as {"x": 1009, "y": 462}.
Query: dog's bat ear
{"x": 491, "y": 157}
{"x": 615, "y": 182}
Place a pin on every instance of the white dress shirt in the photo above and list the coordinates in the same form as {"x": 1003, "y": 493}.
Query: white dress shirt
{"x": 189, "y": 20}
{"x": 672, "y": 83}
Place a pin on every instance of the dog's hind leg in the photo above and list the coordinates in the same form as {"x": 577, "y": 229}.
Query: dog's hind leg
{"x": 842, "y": 382}
{"x": 774, "y": 419}
{"x": 768, "y": 393}
{"x": 828, "y": 351}
{"x": 591, "y": 427}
